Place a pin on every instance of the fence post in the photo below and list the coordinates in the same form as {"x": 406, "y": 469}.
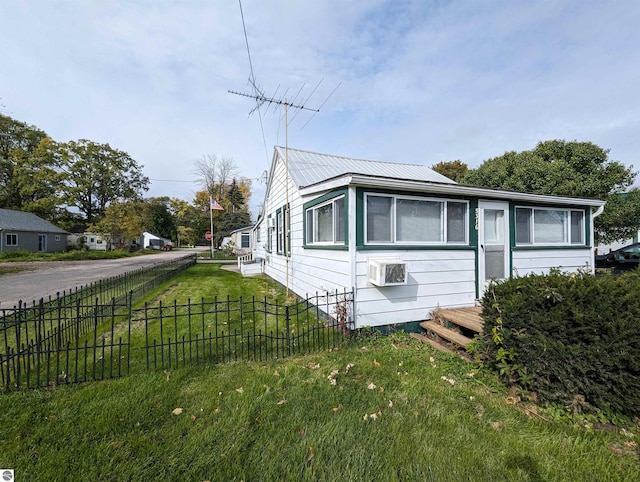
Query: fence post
{"x": 130, "y": 306}
{"x": 287, "y": 319}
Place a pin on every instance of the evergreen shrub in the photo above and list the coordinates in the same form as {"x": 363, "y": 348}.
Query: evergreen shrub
{"x": 572, "y": 339}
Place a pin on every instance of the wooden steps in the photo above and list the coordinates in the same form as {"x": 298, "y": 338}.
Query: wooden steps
{"x": 452, "y": 329}
{"x": 446, "y": 333}
{"x": 432, "y": 342}
{"x": 465, "y": 317}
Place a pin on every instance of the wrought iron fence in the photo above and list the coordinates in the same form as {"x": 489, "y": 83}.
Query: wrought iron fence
{"x": 55, "y": 345}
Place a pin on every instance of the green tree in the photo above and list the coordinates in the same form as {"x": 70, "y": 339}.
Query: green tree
{"x": 186, "y": 219}
{"x": 18, "y": 141}
{"x": 121, "y": 223}
{"x": 563, "y": 168}
{"x": 230, "y": 221}
{"x": 37, "y": 178}
{"x": 235, "y": 197}
{"x": 620, "y": 219}
{"x": 454, "y": 170}
{"x": 158, "y": 218}
{"x": 96, "y": 175}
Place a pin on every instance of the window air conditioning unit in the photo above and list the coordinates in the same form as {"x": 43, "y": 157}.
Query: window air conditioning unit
{"x": 387, "y": 272}
{"x": 271, "y": 222}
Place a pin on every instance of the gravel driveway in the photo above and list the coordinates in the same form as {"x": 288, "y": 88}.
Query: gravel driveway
{"x": 46, "y": 278}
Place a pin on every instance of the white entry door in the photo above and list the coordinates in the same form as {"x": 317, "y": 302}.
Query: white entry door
{"x": 493, "y": 242}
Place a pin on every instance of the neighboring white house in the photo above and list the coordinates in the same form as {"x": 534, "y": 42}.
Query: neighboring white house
{"x": 86, "y": 239}
{"x": 405, "y": 238}
{"x": 242, "y": 240}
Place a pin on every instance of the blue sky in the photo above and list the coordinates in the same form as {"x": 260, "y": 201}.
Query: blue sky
{"x": 419, "y": 81}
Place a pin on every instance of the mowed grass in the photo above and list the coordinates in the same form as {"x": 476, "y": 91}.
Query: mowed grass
{"x": 396, "y": 410}
{"x": 209, "y": 281}
{"x": 73, "y": 255}
{"x": 377, "y": 408}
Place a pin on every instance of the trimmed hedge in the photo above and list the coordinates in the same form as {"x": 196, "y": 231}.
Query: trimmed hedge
{"x": 570, "y": 339}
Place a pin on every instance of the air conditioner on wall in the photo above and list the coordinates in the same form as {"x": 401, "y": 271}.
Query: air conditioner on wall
{"x": 387, "y": 272}
{"x": 271, "y": 222}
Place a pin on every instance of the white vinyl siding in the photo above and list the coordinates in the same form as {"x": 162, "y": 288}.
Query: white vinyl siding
{"x": 548, "y": 227}
{"x": 408, "y": 220}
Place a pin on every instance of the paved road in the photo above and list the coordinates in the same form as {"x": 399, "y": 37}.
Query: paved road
{"x": 48, "y": 278}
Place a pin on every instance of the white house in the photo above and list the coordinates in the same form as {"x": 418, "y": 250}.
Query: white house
{"x": 242, "y": 240}
{"x": 86, "y": 239}
{"x": 405, "y": 238}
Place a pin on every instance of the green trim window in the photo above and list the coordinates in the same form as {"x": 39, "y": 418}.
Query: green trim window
{"x": 549, "y": 227}
{"x": 283, "y": 231}
{"x": 408, "y": 220}
{"x": 11, "y": 239}
{"x": 325, "y": 223}
{"x": 269, "y": 234}
{"x": 279, "y": 231}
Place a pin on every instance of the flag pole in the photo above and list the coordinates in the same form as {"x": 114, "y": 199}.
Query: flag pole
{"x": 211, "y": 222}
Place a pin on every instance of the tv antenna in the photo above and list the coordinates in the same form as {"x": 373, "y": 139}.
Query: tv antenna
{"x": 261, "y": 99}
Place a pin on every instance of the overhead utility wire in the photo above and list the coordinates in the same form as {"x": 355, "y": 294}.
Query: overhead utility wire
{"x": 253, "y": 81}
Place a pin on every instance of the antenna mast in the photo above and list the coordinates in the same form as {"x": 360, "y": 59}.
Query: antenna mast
{"x": 261, "y": 99}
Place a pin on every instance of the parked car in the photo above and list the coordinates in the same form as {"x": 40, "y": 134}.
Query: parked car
{"x": 623, "y": 259}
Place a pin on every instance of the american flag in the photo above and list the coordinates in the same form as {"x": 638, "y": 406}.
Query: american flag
{"x": 215, "y": 206}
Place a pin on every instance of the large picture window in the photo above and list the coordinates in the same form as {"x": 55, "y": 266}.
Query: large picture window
{"x": 392, "y": 219}
{"x": 545, "y": 226}
{"x": 325, "y": 222}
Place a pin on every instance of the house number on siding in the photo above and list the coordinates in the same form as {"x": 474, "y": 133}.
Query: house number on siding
{"x": 477, "y": 218}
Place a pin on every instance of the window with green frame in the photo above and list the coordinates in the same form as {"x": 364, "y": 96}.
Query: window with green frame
{"x": 283, "y": 231}
{"x": 549, "y": 226}
{"x": 269, "y": 234}
{"x": 410, "y": 220}
{"x": 325, "y": 222}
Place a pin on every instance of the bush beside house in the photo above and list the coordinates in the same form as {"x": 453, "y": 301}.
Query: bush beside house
{"x": 569, "y": 339}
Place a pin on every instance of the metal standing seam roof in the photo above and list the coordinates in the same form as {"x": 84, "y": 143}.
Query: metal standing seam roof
{"x": 23, "y": 221}
{"x": 307, "y": 168}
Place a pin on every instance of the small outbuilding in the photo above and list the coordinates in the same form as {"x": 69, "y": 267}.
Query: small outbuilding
{"x": 21, "y": 230}
{"x": 406, "y": 239}
{"x": 151, "y": 241}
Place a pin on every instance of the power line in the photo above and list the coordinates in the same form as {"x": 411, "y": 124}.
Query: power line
{"x": 253, "y": 79}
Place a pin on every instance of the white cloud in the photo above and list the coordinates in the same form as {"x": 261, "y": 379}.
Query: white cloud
{"x": 420, "y": 81}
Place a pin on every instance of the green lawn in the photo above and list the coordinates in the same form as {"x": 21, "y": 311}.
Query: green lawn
{"x": 396, "y": 411}
{"x": 377, "y": 408}
{"x": 73, "y": 255}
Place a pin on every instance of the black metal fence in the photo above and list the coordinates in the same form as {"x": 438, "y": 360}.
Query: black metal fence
{"x": 52, "y": 344}
{"x": 51, "y": 324}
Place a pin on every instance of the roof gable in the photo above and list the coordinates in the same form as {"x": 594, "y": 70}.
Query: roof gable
{"x": 23, "y": 221}
{"x": 307, "y": 168}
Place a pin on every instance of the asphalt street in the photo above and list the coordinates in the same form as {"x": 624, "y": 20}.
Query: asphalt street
{"x": 44, "y": 279}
